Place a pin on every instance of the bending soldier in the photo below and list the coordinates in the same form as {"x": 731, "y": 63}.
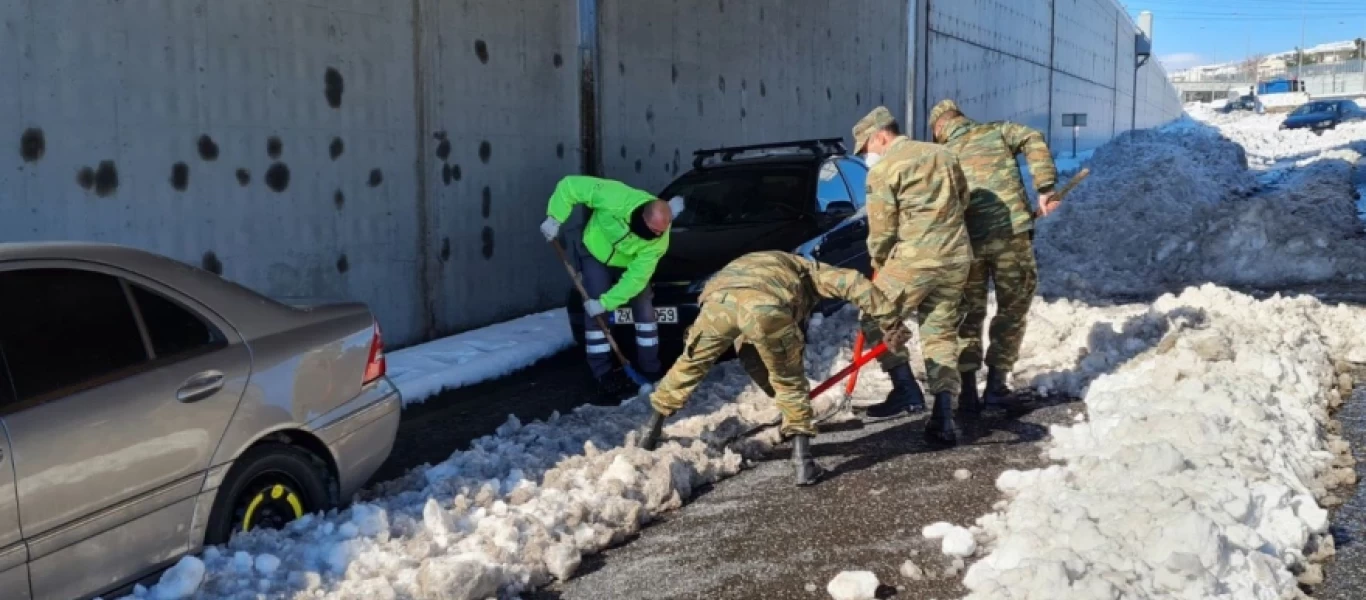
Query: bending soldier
{"x": 756, "y": 304}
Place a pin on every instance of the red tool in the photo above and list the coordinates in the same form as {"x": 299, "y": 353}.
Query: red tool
{"x": 853, "y": 367}
{"x": 858, "y": 352}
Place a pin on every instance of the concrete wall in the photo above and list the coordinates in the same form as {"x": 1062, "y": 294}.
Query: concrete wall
{"x": 1031, "y": 61}
{"x": 401, "y": 152}
{"x": 679, "y": 75}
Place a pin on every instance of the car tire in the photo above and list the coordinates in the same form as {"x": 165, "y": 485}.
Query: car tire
{"x": 269, "y": 485}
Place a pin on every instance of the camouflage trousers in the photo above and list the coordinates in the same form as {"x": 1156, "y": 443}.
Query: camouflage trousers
{"x": 768, "y": 332}
{"x": 1008, "y": 264}
{"x": 933, "y": 296}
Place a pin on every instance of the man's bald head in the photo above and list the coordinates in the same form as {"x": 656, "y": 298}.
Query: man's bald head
{"x": 657, "y": 216}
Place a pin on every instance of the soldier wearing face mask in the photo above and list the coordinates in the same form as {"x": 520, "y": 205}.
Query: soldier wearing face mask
{"x": 919, "y": 246}
{"x": 622, "y": 243}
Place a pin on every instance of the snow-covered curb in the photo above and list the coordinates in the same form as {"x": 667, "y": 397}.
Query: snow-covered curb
{"x": 468, "y": 358}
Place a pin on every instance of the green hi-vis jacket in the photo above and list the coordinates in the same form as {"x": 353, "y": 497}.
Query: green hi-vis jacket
{"x": 608, "y": 234}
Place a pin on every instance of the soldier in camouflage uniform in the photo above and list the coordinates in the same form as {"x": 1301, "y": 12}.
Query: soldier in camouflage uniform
{"x": 1001, "y": 226}
{"x": 756, "y": 304}
{"x": 920, "y": 249}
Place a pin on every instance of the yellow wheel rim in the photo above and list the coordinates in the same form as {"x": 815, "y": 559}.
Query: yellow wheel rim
{"x": 274, "y": 493}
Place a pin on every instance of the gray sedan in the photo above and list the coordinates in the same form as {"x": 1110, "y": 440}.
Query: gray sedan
{"x": 148, "y": 408}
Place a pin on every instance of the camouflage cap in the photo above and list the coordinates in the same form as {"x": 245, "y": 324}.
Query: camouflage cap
{"x": 944, "y": 106}
{"x": 871, "y": 123}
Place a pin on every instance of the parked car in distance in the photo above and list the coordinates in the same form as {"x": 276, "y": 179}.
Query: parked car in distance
{"x": 804, "y": 196}
{"x": 1242, "y": 103}
{"x": 149, "y": 408}
{"x": 1322, "y": 115}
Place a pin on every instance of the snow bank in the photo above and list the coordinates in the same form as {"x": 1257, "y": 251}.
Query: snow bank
{"x": 1200, "y": 467}
{"x": 523, "y": 505}
{"x": 1164, "y": 209}
{"x": 468, "y": 358}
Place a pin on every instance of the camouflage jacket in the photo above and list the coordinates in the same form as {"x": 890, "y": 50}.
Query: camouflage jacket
{"x": 916, "y": 198}
{"x": 999, "y": 206}
{"x": 799, "y": 283}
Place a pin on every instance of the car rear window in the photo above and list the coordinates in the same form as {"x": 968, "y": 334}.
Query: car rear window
{"x": 733, "y": 196}
{"x": 174, "y": 330}
{"x": 68, "y": 330}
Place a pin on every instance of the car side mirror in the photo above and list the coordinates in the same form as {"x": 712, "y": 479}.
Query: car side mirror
{"x": 840, "y": 208}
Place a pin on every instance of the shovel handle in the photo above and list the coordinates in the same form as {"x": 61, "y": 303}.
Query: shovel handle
{"x": 578, "y": 285}
{"x": 858, "y": 363}
{"x": 1072, "y": 184}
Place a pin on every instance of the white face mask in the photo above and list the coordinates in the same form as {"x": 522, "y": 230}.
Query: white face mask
{"x": 871, "y": 159}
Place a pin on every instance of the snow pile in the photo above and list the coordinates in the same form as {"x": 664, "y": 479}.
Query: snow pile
{"x": 853, "y": 585}
{"x": 1168, "y": 208}
{"x": 1200, "y": 468}
{"x": 479, "y": 355}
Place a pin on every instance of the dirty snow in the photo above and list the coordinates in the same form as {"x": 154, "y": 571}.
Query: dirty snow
{"x": 468, "y": 358}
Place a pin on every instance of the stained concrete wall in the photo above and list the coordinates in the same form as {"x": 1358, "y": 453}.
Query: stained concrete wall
{"x": 401, "y": 153}
{"x": 680, "y": 75}
{"x": 1032, "y": 61}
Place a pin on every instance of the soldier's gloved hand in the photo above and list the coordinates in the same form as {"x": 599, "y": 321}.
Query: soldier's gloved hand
{"x": 593, "y": 308}
{"x": 896, "y": 336}
{"x": 550, "y": 228}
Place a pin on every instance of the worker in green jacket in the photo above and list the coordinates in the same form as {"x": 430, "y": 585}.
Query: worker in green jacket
{"x": 626, "y": 234}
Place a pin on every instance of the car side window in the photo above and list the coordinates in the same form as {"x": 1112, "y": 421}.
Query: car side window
{"x": 174, "y": 330}
{"x": 857, "y": 176}
{"x": 831, "y": 187}
{"x": 66, "y": 330}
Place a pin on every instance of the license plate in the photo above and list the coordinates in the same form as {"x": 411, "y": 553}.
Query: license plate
{"x": 667, "y": 315}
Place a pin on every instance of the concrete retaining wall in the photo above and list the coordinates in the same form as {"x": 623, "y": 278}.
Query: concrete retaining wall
{"x": 401, "y": 153}
{"x": 1033, "y": 61}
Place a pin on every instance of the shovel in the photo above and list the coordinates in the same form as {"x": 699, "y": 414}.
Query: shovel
{"x": 602, "y": 322}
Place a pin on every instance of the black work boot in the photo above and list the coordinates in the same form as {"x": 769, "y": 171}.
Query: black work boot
{"x": 969, "y": 403}
{"x": 905, "y": 396}
{"x": 649, "y": 440}
{"x": 807, "y": 469}
{"x": 615, "y": 386}
{"x": 939, "y": 428}
{"x": 998, "y": 394}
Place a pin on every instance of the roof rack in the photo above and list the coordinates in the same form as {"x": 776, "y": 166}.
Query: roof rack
{"x": 820, "y": 147}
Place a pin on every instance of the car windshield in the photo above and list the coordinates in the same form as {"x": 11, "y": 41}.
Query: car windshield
{"x": 731, "y": 196}
{"x": 1316, "y": 107}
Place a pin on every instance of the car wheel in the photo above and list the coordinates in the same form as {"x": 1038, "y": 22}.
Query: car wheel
{"x": 269, "y": 486}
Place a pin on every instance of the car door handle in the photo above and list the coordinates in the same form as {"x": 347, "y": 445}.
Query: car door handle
{"x": 200, "y": 386}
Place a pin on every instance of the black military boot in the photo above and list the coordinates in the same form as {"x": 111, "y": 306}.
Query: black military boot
{"x": 999, "y": 395}
{"x": 904, "y": 397}
{"x": 807, "y": 469}
{"x": 649, "y": 440}
{"x": 939, "y": 428}
{"x": 969, "y": 403}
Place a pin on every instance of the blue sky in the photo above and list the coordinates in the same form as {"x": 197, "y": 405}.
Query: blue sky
{"x": 1193, "y": 32}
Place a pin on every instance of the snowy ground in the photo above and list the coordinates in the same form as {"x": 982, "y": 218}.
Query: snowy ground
{"x": 464, "y": 359}
{"x": 1202, "y": 470}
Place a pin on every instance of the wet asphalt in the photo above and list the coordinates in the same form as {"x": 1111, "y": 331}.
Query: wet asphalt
{"x": 1345, "y": 575}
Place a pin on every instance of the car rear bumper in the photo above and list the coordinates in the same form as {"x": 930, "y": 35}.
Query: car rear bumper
{"x": 362, "y": 439}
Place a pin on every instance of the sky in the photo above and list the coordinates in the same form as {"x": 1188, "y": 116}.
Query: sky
{"x": 1187, "y": 33}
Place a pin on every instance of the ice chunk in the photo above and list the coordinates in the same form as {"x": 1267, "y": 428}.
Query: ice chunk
{"x": 959, "y": 542}
{"x": 266, "y": 564}
{"x": 912, "y": 571}
{"x": 937, "y": 530}
{"x": 962, "y": 474}
{"x": 853, "y": 585}
{"x": 180, "y": 581}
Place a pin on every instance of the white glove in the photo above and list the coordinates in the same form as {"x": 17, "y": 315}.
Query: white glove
{"x": 593, "y": 308}
{"x": 676, "y": 206}
{"x": 550, "y": 228}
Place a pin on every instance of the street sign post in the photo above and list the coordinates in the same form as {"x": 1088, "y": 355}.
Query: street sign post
{"x": 1076, "y": 121}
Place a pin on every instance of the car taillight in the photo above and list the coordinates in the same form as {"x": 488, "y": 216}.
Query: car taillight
{"x": 374, "y": 365}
